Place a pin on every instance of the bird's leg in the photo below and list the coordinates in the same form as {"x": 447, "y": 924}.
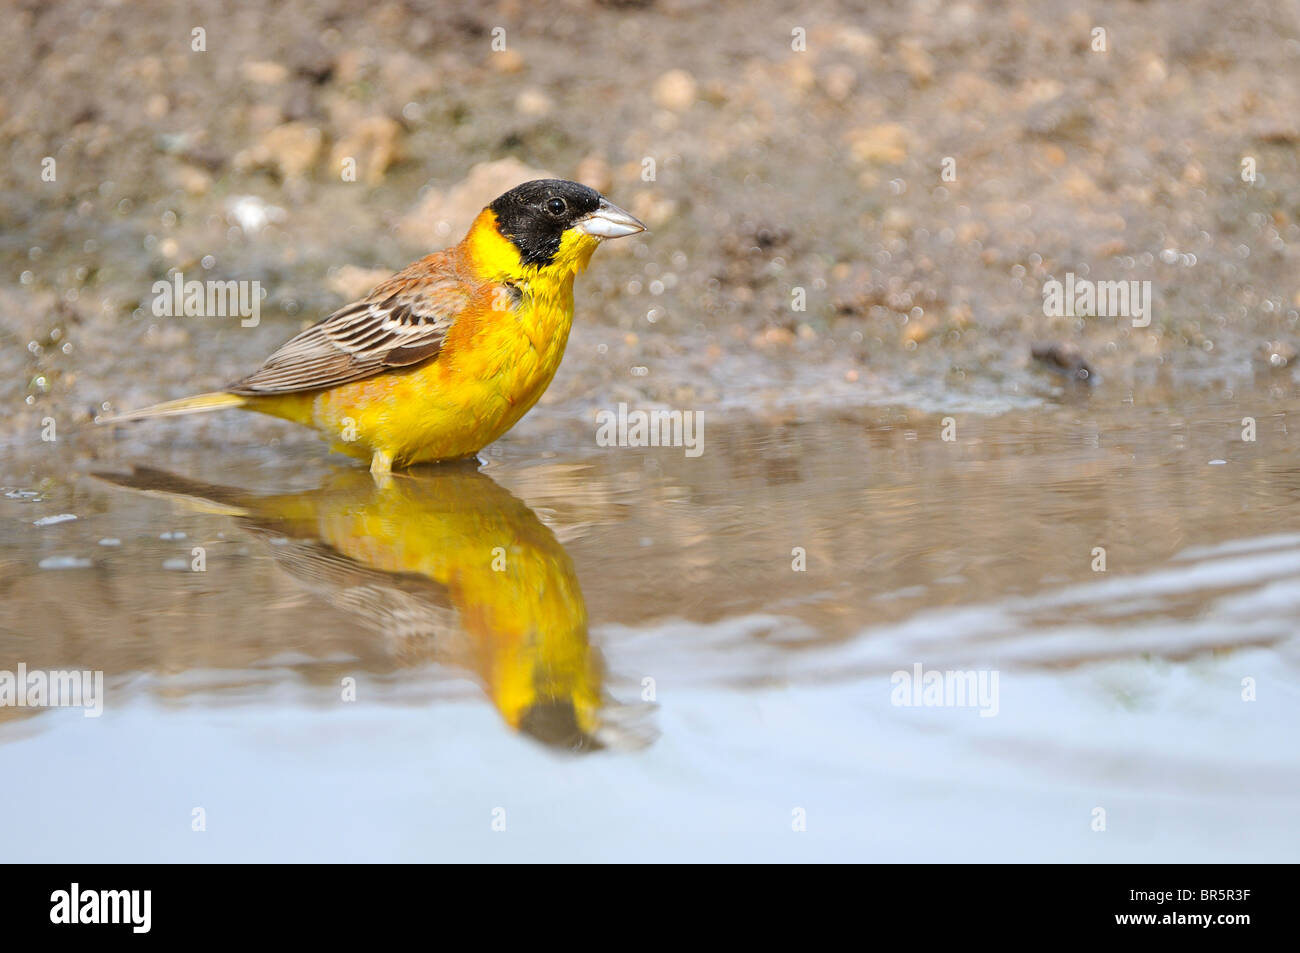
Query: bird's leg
{"x": 381, "y": 469}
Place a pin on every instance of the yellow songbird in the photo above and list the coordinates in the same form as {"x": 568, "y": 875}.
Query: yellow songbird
{"x": 448, "y": 354}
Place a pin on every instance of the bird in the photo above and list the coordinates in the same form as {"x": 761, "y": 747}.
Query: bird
{"x": 444, "y": 357}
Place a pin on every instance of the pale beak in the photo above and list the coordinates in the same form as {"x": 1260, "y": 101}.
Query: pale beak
{"x": 609, "y": 221}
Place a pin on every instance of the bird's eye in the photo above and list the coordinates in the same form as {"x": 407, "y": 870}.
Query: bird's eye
{"x": 556, "y": 206}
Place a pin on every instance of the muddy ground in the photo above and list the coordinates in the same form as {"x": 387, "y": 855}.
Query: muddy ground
{"x": 792, "y": 147}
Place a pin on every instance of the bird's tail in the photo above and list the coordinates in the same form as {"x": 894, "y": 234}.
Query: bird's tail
{"x": 216, "y": 400}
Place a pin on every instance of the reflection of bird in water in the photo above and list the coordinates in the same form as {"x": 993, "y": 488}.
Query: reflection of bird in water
{"x": 447, "y": 565}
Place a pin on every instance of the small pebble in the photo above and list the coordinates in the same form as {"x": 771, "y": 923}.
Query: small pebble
{"x": 64, "y": 562}
{"x": 51, "y": 520}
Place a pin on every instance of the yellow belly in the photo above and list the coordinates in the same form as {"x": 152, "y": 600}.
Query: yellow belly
{"x": 479, "y": 387}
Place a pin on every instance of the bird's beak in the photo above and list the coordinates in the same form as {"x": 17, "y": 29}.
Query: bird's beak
{"x": 609, "y": 221}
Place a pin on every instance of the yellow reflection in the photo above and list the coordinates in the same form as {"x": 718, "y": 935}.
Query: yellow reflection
{"x": 448, "y": 565}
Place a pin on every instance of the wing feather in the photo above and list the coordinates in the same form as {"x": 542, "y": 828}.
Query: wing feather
{"x": 402, "y": 322}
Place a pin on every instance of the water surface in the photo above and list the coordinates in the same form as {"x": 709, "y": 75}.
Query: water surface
{"x": 631, "y": 654}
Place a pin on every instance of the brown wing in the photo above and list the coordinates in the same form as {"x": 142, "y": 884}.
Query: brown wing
{"x": 402, "y": 322}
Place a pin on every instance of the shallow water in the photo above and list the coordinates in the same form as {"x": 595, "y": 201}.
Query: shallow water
{"x": 621, "y": 653}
